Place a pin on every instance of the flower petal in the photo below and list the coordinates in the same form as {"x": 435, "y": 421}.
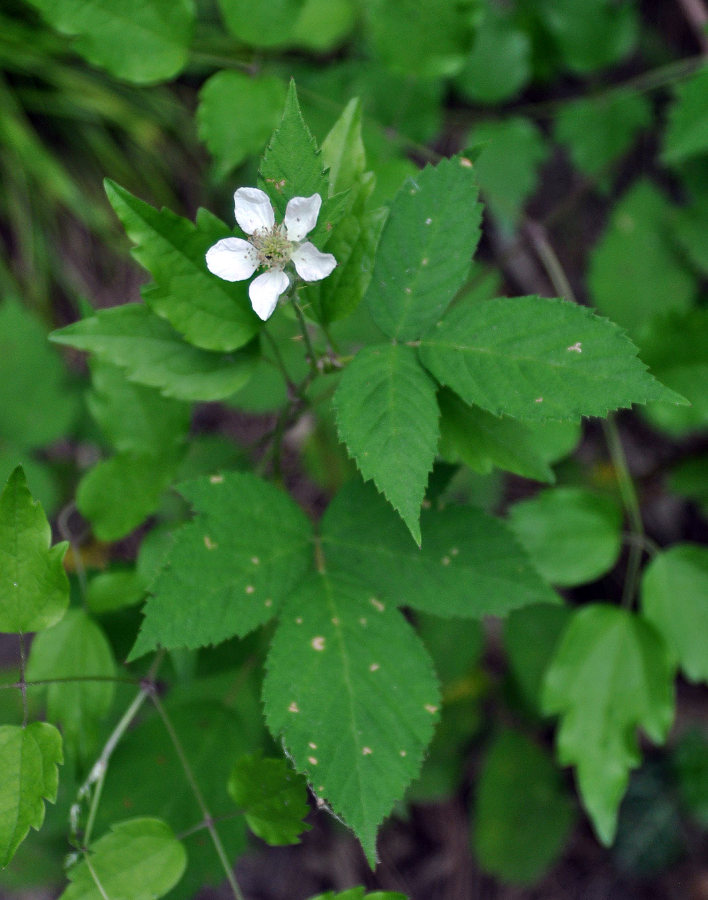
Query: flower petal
{"x": 265, "y": 290}
{"x": 253, "y": 210}
{"x": 301, "y": 216}
{"x": 232, "y": 259}
{"x": 311, "y": 264}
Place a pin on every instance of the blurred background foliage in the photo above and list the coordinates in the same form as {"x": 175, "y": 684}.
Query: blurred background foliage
{"x": 588, "y": 124}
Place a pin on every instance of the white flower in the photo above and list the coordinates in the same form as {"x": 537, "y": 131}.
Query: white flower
{"x": 271, "y": 247}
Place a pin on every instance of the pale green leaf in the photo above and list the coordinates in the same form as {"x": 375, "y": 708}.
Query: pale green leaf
{"x": 272, "y": 797}
{"x": 322, "y": 24}
{"x": 343, "y": 153}
{"x": 687, "y": 130}
{"x": 388, "y": 418}
{"x": 139, "y": 859}
{"x": 24, "y": 353}
{"x": 108, "y": 592}
{"x": 34, "y": 589}
{"x": 674, "y": 594}
{"x": 536, "y": 359}
{"x": 351, "y": 690}
{"x": 28, "y": 761}
{"x": 512, "y": 151}
{"x": 634, "y": 270}
{"x": 469, "y": 565}
{"x": 426, "y": 249}
{"x": 523, "y": 813}
{"x": 237, "y": 114}
{"x": 570, "y": 534}
{"x": 260, "y": 25}
{"x": 133, "y": 40}
{"x": 230, "y": 567}
{"x": 209, "y": 312}
{"x": 75, "y": 647}
{"x": 152, "y": 353}
{"x": 610, "y": 675}
{"x": 484, "y": 441}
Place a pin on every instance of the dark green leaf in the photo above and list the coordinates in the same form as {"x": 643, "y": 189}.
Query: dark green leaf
{"x": 687, "y": 131}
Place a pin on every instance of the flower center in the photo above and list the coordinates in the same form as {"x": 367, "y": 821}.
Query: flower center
{"x": 274, "y": 249}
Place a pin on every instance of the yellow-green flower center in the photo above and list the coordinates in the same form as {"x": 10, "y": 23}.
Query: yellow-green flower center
{"x": 274, "y": 249}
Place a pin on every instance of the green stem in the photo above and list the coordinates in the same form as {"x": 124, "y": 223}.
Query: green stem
{"x": 311, "y": 355}
{"x": 199, "y": 797}
{"x": 631, "y": 505}
{"x": 22, "y": 682}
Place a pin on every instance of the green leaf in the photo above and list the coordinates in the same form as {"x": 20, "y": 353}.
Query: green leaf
{"x": 343, "y": 153}
{"x": 357, "y": 893}
{"x": 523, "y": 814}
{"x": 674, "y": 594}
{"x": 357, "y": 718}
{"x": 34, "y": 589}
{"x": 500, "y": 62}
{"x": 292, "y": 165}
{"x": 531, "y": 636}
{"x": 469, "y": 565}
{"x": 237, "y": 114}
{"x": 571, "y": 535}
{"x": 388, "y": 418}
{"x": 690, "y": 479}
{"x": 139, "y": 859}
{"x": 209, "y": 312}
{"x": 271, "y": 796}
{"x": 590, "y": 35}
{"x": 24, "y": 353}
{"x": 28, "y": 761}
{"x": 75, "y": 647}
{"x": 687, "y": 130}
{"x": 691, "y": 767}
{"x": 257, "y": 25}
{"x": 507, "y": 166}
{"x": 145, "y": 769}
{"x": 599, "y": 130}
{"x": 111, "y": 591}
{"x": 609, "y": 676}
{"x": 230, "y": 567}
{"x": 139, "y": 480}
{"x": 152, "y": 353}
{"x": 426, "y": 249}
{"x": 537, "y": 359}
{"x": 138, "y": 42}
{"x": 322, "y": 24}
{"x": 634, "y": 271}
{"x": 675, "y": 347}
{"x": 484, "y": 441}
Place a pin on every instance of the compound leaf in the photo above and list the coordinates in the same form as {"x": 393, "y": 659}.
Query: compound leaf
{"x": 34, "y": 589}
{"x": 388, "y": 417}
{"x": 536, "y": 359}
{"x": 426, "y": 248}
{"x": 351, "y": 690}
{"x": 28, "y": 761}
{"x": 610, "y": 675}
{"x": 230, "y": 567}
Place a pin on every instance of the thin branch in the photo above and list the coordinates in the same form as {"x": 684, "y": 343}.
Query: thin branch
{"x": 22, "y": 683}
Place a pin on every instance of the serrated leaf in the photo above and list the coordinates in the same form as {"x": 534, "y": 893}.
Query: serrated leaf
{"x": 209, "y": 312}
{"x": 687, "y": 130}
{"x": 75, "y": 647}
{"x": 674, "y": 593}
{"x": 484, "y": 441}
{"x": 570, "y": 534}
{"x": 523, "y": 814}
{"x": 292, "y": 165}
{"x": 343, "y": 153}
{"x": 236, "y": 115}
{"x": 34, "y": 589}
{"x": 609, "y": 676}
{"x": 152, "y": 353}
{"x": 387, "y": 416}
{"x": 426, "y": 248}
{"x": 24, "y": 353}
{"x": 230, "y": 568}
{"x": 138, "y": 42}
{"x": 469, "y": 564}
{"x": 537, "y": 359}
{"x": 139, "y": 859}
{"x": 29, "y": 757}
{"x": 351, "y": 690}
{"x": 271, "y": 796}
{"x": 634, "y": 271}
{"x": 145, "y": 769}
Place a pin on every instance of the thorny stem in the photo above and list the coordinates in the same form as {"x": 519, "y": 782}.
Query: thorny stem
{"x": 65, "y": 679}
{"x": 311, "y": 355}
{"x": 280, "y": 362}
{"x": 22, "y": 682}
{"x": 198, "y": 796}
{"x": 556, "y": 273}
